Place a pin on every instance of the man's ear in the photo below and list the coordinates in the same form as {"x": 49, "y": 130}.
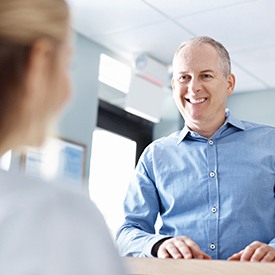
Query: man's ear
{"x": 231, "y": 80}
{"x": 173, "y": 83}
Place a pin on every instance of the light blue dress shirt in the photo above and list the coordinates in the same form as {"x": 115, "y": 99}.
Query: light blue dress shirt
{"x": 217, "y": 191}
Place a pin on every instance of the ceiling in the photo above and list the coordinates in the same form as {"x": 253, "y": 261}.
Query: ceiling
{"x": 157, "y": 27}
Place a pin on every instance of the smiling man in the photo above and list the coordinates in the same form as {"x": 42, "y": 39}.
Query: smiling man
{"x": 212, "y": 183}
{"x": 201, "y": 83}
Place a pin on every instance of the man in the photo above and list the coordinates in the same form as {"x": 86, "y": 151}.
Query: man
{"x": 212, "y": 183}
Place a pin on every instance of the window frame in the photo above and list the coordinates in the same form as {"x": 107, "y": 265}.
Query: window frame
{"x": 121, "y": 122}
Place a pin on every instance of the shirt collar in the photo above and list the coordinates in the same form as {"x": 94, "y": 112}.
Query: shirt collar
{"x": 230, "y": 119}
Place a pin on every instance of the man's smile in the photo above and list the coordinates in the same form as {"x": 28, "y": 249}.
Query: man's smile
{"x": 196, "y": 101}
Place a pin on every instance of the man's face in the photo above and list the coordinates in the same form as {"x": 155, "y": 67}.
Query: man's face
{"x": 200, "y": 87}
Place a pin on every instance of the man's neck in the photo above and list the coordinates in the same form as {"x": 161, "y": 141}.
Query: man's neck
{"x": 206, "y": 130}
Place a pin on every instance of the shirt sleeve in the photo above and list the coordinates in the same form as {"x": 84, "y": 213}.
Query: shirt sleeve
{"x": 272, "y": 243}
{"x": 137, "y": 235}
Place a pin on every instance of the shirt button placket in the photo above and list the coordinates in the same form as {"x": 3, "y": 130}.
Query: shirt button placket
{"x": 213, "y": 186}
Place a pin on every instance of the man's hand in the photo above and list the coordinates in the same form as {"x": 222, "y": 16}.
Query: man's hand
{"x": 181, "y": 247}
{"x": 255, "y": 252}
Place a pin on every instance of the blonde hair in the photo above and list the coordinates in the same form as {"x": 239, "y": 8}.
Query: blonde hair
{"x": 221, "y": 50}
{"x": 22, "y": 23}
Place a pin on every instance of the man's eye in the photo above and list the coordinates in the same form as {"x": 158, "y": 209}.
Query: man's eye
{"x": 207, "y": 76}
{"x": 183, "y": 78}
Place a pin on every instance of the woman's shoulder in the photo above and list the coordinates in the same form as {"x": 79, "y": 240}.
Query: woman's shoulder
{"x": 54, "y": 221}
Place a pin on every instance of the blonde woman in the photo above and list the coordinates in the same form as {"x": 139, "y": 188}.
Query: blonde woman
{"x": 44, "y": 229}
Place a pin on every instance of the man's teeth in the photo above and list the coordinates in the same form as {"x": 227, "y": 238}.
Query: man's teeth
{"x": 197, "y": 101}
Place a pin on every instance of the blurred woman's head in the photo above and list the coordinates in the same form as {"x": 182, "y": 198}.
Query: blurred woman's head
{"x": 34, "y": 65}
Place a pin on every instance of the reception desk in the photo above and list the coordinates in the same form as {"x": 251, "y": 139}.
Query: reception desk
{"x": 154, "y": 266}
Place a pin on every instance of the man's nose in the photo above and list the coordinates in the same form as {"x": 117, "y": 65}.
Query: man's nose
{"x": 194, "y": 86}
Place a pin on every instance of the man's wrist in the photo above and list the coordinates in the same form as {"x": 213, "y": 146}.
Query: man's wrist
{"x": 156, "y": 246}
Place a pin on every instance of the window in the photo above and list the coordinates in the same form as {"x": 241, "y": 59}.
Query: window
{"x": 5, "y": 160}
{"x": 114, "y": 73}
{"x": 112, "y": 163}
{"x": 117, "y": 144}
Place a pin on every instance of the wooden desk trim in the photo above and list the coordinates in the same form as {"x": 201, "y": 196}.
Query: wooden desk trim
{"x": 154, "y": 266}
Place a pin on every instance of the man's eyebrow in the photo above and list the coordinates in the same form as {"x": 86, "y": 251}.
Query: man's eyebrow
{"x": 203, "y": 71}
{"x": 207, "y": 71}
{"x": 182, "y": 72}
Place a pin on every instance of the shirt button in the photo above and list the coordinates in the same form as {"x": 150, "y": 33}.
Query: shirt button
{"x": 214, "y": 209}
{"x": 210, "y": 142}
{"x": 212, "y": 246}
{"x": 212, "y": 174}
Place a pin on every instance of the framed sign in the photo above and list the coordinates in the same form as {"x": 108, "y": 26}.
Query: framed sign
{"x": 58, "y": 159}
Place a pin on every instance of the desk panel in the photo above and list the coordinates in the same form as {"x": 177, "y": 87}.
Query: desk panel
{"x": 155, "y": 266}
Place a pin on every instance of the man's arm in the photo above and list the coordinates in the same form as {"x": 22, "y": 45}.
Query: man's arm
{"x": 137, "y": 236}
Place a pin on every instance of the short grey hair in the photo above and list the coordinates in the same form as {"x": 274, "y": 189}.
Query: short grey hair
{"x": 221, "y": 50}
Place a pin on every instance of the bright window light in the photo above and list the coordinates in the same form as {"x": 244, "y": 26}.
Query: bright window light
{"x": 112, "y": 164}
{"x": 5, "y": 161}
{"x": 114, "y": 73}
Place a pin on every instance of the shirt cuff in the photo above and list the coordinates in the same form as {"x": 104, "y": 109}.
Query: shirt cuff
{"x": 151, "y": 243}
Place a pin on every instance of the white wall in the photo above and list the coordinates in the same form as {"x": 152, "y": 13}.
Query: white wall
{"x": 79, "y": 120}
{"x": 171, "y": 120}
{"x": 255, "y": 106}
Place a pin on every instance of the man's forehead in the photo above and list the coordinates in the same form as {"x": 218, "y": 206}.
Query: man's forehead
{"x": 197, "y": 49}
{"x": 200, "y": 55}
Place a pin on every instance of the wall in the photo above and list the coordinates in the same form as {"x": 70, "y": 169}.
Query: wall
{"x": 171, "y": 120}
{"x": 255, "y": 106}
{"x": 79, "y": 120}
